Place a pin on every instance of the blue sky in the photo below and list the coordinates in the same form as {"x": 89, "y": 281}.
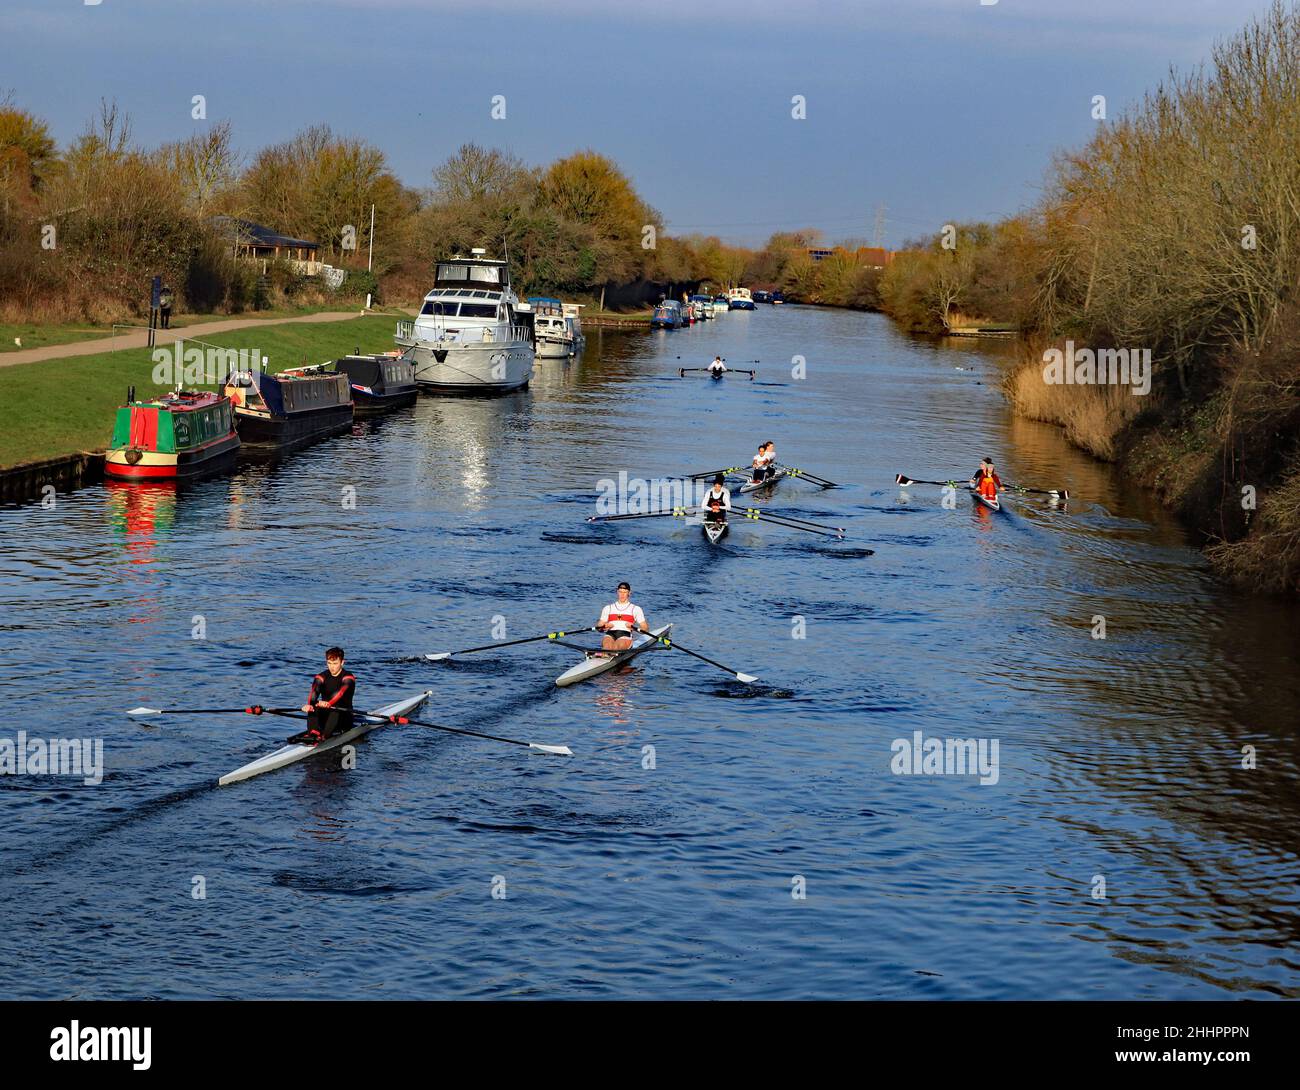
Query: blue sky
{"x": 936, "y": 109}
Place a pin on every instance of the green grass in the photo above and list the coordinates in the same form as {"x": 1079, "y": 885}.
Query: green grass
{"x": 39, "y": 335}
{"x": 57, "y": 407}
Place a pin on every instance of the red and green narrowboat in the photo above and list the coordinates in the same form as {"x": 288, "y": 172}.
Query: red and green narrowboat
{"x": 176, "y": 436}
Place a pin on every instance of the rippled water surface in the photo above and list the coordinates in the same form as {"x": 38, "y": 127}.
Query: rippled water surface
{"x": 665, "y": 872}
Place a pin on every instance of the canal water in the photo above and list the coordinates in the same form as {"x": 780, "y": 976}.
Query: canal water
{"x": 1134, "y": 833}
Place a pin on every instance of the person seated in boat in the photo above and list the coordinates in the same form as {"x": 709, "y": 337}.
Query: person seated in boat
{"x": 620, "y": 619}
{"x": 986, "y": 480}
{"x": 717, "y": 501}
{"x": 329, "y": 705}
{"x": 717, "y": 367}
{"x": 764, "y": 463}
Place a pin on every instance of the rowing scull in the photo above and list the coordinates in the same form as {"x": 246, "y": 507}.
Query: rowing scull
{"x": 598, "y": 662}
{"x": 288, "y": 754}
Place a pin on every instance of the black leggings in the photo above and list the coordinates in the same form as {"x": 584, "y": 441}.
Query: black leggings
{"x": 330, "y": 722}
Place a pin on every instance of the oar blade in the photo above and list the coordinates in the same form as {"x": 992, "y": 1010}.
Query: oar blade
{"x": 145, "y": 711}
{"x": 439, "y": 656}
{"x": 559, "y": 751}
{"x": 748, "y": 679}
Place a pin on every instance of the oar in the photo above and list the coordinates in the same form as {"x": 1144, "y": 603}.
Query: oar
{"x": 762, "y": 512}
{"x": 440, "y": 655}
{"x": 676, "y": 512}
{"x": 903, "y": 479}
{"x": 255, "y": 709}
{"x": 714, "y": 472}
{"x": 812, "y": 477}
{"x": 563, "y": 751}
{"x": 746, "y": 678}
{"x": 1061, "y": 492}
{"x": 812, "y": 528}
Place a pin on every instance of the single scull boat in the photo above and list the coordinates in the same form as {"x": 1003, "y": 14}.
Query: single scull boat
{"x": 991, "y": 502}
{"x": 715, "y": 531}
{"x": 288, "y": 754}
{"x": 598, "y": 662}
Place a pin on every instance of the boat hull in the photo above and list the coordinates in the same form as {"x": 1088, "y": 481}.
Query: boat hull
{"x": 716, "y": 531}
{"x": 213, "y": 457}
{"x": 594, "y": 666}
{"x": 373, "y": 404}
{"x": 993, "y": 503}
{"x": 771, "y": 482}
{"x": 484, "y": 369}
{"x": 292, "y": 753}
{"x": 265, "y": 432}
{"x": 553, "y": 350}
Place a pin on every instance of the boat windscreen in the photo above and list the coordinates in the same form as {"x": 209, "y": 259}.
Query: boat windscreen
{"x": 439, "y": 308}
{"x": 478, "y": 310}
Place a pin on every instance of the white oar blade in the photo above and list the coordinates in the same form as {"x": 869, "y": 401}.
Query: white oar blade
{"x": 439, "y": 656}
{"x": 145, "y": 711}
{"x": 561, "y": 751}
{"x": 746, "y": 678}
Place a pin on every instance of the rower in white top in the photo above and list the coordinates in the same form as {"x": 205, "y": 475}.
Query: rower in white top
{"x": 717, "y": 504}
{"x": 717, "y": 368}
{"x": 764, "y": 463}
{"x": 619, "y": 619}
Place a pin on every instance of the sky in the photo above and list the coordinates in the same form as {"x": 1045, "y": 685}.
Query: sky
{"x": 932, "y": 110}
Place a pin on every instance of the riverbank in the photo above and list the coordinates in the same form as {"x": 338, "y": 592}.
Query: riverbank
{"x": 62, "y": 402}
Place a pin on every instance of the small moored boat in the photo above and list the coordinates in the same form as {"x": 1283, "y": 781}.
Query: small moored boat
{"x": 291, "y": 408}
{"x": 667, "y": 315}
{"x": 740, "y": 299}
{"x": 379, "y": 383}
{"x": 174, "y": 437}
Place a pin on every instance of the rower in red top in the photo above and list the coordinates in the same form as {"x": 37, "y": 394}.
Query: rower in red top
{"x": 620, "y": 619}
{"x": 986, "y": 480}
{"x": 329, "y": 706}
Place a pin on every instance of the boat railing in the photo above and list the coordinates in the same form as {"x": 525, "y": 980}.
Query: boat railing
{"x": 406, "y": 333}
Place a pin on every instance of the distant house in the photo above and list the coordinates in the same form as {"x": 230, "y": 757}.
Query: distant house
{"x": 874, "y": 257}
{"x": 870, "y": 257}
{"x": 259, "y": 243}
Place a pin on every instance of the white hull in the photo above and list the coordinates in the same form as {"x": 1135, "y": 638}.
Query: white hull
{"x": 553, "y": 350}
{"x": 489, "y": 367}
{"x": 289, "y": 754}
{"x": 594, "y": 665}
{"x": 750, "y": 486}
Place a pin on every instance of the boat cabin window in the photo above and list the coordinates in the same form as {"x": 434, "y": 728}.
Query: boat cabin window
{"x": 478, "y": 310}
{"x": 440, "y": 309}
{"x": 475, "y": 274}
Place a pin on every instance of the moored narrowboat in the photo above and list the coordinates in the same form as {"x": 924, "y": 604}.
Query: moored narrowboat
{"x": 289, "y": 409}
{"x": 175, "y": 437}
{"x": 379, "y": 383}
{"x": 667, "y": 315}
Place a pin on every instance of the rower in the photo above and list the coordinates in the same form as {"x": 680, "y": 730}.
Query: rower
{"x": 619, "y": 619}
{"x": 986, "y": 480}
{"x": 329, "y": 705}
{"x": 764, "y": 462}
{"x": 717, "y": 367}
{"x": 717, "y": 501}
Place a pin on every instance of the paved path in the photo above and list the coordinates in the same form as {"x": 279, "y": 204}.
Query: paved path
{"x": 140, "y": 339}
